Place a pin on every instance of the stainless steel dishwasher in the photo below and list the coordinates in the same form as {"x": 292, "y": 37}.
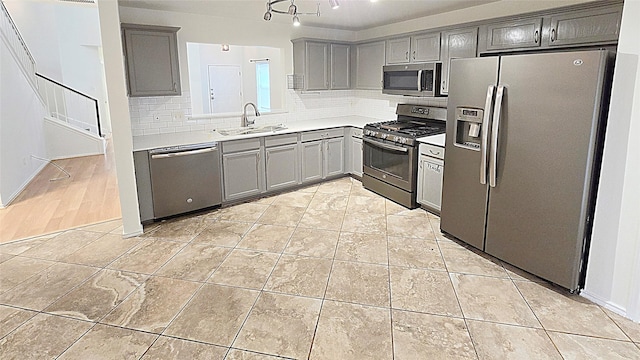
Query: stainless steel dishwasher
{"x": 185, "y": 178}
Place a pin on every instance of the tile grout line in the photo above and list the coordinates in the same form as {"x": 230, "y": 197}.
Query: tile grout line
{"x": 393, "y": 349}
{"x": 324, "y": 295}
{"x": 261, "y": 291}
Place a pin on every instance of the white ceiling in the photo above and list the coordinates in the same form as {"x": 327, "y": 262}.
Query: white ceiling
{"x": 351, "y": 15}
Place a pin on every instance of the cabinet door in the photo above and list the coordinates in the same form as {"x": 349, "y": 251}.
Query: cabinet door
{"x": 369, "y": 62}
{"x": 340, "y": 66}
{"x": 243, "y": 174}
{"x": 151, "y": 60}
{"x": 311, "y": 160}
{"x": 425, "y": 47}
{"x": 398, "y": 51}
{"x": 283, "y": 167}
{"x": 317, "y": 69}
{"x": 514, "y": 34}
{"x": 429, "y": 190}
{"x": 334, "y": 157}
{"x": 589, "y": 26}
{"x": 356, "y": 156}
{"x": 461, "y": 43}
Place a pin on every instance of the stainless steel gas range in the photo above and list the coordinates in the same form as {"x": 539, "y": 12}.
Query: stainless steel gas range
{"x": 390, "y": 152}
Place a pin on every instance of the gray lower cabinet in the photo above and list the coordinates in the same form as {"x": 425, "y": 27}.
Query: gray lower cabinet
{"x": 430, "y": 171}
{"x": 334, "y": 157}
{"x": 283, "y": 167}
{"x": 459, "y": 43}
{"x": 312, "y": 162}
{"x": 143, "y": 184}
{"x": 151, "y": 59}
{"x": 243, "y": 171}
{"x": 369, "y": 62}
{"x": 356, "y": 156}
{"x": 322, "y": 154}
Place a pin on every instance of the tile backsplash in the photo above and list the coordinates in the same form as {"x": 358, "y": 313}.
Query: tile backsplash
{"x": 168, "y": 114}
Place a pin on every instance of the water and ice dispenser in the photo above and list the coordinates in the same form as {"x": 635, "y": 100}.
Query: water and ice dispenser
{"x": 468, "y": 127}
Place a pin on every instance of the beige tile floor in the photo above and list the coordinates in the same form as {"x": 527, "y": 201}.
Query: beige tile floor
{"x": 326, "y": 272}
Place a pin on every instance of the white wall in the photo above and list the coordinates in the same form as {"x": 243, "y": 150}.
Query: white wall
{"x": 613, "y": 276}
{"x": 119, "y": 109}
{"x": 21, "y": 132}
{"x": 64, "y": 39}
{"x": 224, "y": 30}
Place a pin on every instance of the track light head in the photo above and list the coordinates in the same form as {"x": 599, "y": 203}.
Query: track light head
{"x": 296, "y": 20}
{"x": 267, "y": 16}
{"x": 293, "y": 9}
{"x": 334, "y": 4}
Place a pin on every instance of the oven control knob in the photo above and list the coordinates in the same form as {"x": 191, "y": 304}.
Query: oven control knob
{"x": 384, "y": 136}
{"x": 401, "y": 140}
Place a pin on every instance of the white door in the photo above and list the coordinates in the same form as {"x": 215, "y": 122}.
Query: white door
{"x": 225, "y": 89}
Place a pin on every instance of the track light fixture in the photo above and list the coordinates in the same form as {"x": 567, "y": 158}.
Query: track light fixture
{"x": 293, "y": 10}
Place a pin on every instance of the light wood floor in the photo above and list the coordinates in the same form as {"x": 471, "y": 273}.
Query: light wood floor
{"x": 90, "y": 195}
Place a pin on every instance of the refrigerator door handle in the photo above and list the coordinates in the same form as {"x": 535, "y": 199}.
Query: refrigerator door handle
{"x": 485, "y": 134}
{"x": 495, "y": 126}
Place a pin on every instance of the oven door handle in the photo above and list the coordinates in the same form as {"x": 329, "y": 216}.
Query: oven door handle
{"x": 386, "y": 146}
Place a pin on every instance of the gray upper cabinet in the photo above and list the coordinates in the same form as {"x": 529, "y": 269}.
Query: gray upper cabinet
{"x": 589, "y": 26}
{"x": 369, "y": 62}
{"x": 340, "y": 66}
{"x": 398, "y": 51}
{"x": 509, "y": 35}
{"x": 418, "y": 48}
{"x": 151, "y": 54}
{"x": 459, "y": 43}
{"x": 316, "y": 73}
{"x": 322, "y": 65}
{"x": 425, "y": 47}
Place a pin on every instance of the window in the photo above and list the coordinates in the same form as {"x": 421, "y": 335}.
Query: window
{"x": 263, "y": 87}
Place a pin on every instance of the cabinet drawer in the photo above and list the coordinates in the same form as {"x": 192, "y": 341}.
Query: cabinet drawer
{"x": 277, "y": 140}
{"x": 432, "y": 151}
{"x": 240, "y": 145}
{"x": 356, "y": 132}
{"x": 322, "y": 134}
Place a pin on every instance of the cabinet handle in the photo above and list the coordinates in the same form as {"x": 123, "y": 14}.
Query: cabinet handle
{"x": 257, "y": 163}
{"x": 553, "y": 35}
{"x": 406, "y": 55}
{"x": 536, "y": 36}
{"x": 175, "y": 87}
{"x": 414, "y": 54}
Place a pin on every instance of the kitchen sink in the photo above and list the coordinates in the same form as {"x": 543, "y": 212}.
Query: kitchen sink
{"x": 251, "y": 130}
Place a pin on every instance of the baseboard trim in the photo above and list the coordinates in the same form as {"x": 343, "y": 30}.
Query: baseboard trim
{"x": 605, "y": 303}
{"x": 13, "y": 196}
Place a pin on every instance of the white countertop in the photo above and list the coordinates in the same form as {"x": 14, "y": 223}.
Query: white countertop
{"x": 147, "y": 142}
{"x": 437, "y": 140}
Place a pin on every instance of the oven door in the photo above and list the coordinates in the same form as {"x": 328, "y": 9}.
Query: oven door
{"x": 390, "y": 162}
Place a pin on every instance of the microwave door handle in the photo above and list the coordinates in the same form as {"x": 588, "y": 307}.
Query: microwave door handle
{"x": 495, "y": 127}
{"x": 485, "y": 134}
{"x": 420, "y": 80}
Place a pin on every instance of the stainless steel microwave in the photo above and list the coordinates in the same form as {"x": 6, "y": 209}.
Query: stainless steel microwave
{"x": 412, "y": 79}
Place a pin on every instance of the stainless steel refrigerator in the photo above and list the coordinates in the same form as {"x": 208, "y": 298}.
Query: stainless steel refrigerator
{"x": 522, "y": 157}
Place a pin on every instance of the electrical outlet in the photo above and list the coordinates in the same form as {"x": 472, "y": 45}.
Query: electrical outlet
{"x": 178, "y": 115}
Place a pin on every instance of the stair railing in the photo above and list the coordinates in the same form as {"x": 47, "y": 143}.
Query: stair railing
{"x": 14, "y": 40}
{"x": 69, "y": 105}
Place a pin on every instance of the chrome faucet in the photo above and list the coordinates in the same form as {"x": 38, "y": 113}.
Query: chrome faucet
{"x": 245, "y": 121}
